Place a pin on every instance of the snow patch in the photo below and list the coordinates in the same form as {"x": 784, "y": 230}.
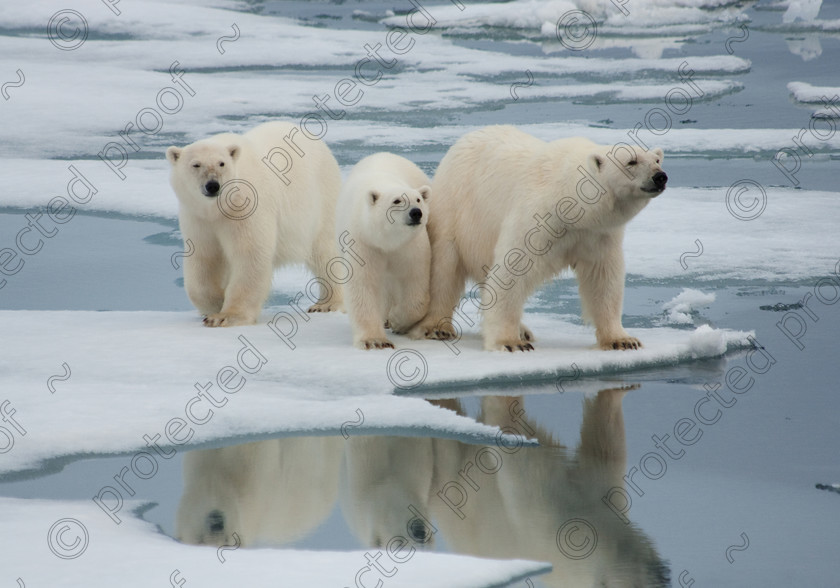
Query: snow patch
{"x": 681, "y": 307}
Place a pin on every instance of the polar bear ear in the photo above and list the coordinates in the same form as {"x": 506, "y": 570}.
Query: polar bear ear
{"x": 173, "y": 153}
{"x": 660, "y": 155}
{"x": 234, "y": 151}
{"x": 374, "y": 196}
{"x": 595, "y": 162}
{"x": 425, "y": 192}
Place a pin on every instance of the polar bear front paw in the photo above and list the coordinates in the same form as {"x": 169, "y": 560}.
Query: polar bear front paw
{"x": 375, "y": 343}
{"x": 525, "y": 333}
{"x": 512, "y": 345}
{"x": 622, "y": 343}
{"x": 325, "y": 307}
{"x": 441, "y": 330}
{"x": 223, "y": 319}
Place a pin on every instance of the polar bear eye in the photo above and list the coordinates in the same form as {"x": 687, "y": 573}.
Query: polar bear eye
{"x": 632, "y": 162}
{"x": 221, "y": 164}
{"x": 397, "y": 201}
{"x": 196, "y": 165}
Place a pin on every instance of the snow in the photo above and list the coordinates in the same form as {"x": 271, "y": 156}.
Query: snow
{"x": 107, "y": 84}
{"x": 818, "y": 95}
{"x": 81, "y": 384}
{"x": 58, "y": 543}
{"x": 536, "y": 14}
{"x": 806, "y": 10}
{"x": 58, "y": 367}
{"x": 680, "y": 308}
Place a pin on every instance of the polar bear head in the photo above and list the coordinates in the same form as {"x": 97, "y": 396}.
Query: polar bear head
{"x": 394, "y": 214}
{"x": 201, "y": 169}
{"x": 629, "y": 172}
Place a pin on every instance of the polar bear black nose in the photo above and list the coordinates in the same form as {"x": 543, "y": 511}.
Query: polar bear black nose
{"x": 659, "y": 178}
{"x": 415, "y": 214}
{"x": 212, "y": 187}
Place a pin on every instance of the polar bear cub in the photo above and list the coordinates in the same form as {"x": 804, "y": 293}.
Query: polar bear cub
{"x": 250, "y": 203}
{"x": 512, "y": 211}
{"x": 381, "y": 226}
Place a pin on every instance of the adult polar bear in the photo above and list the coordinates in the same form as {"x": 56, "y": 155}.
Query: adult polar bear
{"x": 381, "y": 226}
{"x": 511, "y": 211}
{"x": 245, "y": 215}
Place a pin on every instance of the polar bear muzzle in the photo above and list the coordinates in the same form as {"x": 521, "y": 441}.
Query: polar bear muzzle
{"x": 414, "y": 215}
{"x": 658, "y": 180}
{"x": 211, "y": 188}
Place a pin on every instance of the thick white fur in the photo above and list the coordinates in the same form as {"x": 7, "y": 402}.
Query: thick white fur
{"x": 488, "y": 189}
{"x": 267, "y": 492}
{"x": 228, "y": 277}
{"x": 388, "y": 255}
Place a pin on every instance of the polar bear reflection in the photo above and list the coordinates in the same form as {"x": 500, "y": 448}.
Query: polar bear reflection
{"x": 268, "y": 492}
{"x": 521, "y": 510}
{"x": 276, "y": 491}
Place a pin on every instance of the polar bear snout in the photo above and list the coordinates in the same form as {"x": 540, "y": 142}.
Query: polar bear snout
{"x": 414, "y": 215}
{"x": 659, "y": 179}
{"x": 656, "y": 184}
{"x": 211, "y": 188}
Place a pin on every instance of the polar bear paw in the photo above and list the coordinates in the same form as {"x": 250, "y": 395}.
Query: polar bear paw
{"x": 525, "y": 333}
{"x": 443, "y": 330}
{"x": 375, "y": 343}
{"x": 325, "y": 307}
{"x": 622, "y": 343}
{"x": 512, "y": 345}
{"x": 224, "y": 319}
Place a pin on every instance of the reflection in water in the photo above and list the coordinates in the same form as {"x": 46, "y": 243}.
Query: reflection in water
{"x": 268, "y": 492}
{"x": 405, "y": 493}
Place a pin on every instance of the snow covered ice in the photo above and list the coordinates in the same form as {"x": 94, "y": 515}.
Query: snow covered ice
{"x": 732, "y": 279}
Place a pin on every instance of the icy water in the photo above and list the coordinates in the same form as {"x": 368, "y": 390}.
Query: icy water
{"x": 707, "y": 472}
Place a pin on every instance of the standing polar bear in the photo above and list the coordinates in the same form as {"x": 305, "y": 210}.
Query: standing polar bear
{"x": 511, "y": 211}
{"x": 381, "y": 226}
{"x": 250, "y": 203}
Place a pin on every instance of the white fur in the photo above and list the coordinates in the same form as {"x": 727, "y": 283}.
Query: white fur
{"x": 267, "y": 492}
{"x": 388, "y": 254}
{"x": 488, "y": 189}
{"x": 228, "y": 277}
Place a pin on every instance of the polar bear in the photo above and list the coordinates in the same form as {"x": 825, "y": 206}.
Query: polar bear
{"x": 262, "y": 493}
{"x": 511, "y": 211}
{"x": 381, "y": 227}
{"x": 250, "y": 203}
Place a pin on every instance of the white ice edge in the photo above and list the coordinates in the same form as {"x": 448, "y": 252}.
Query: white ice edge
{"x": 72, "y": 377}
